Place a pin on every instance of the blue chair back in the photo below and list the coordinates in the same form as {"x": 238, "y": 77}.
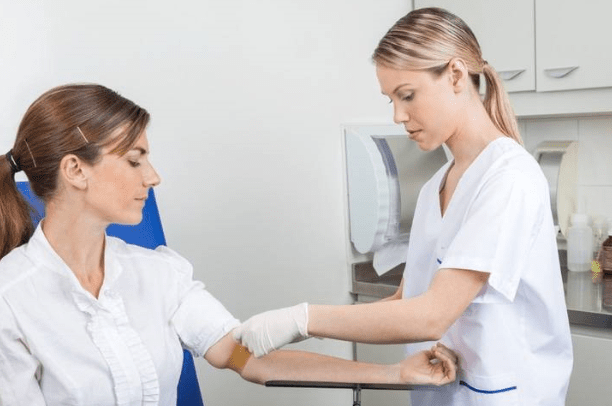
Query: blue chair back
{"x": 148, "y": 234}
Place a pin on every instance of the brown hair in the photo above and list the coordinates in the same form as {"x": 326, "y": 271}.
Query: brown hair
{"x": 427, "y": 39}
{"x": 78, "y": 119}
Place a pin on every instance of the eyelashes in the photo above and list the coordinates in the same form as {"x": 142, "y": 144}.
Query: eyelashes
{"x": 406, "y": 98}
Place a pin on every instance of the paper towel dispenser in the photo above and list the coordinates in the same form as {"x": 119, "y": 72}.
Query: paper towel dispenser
{"x": 559, "y": 162}
{"x": 385, "y": 172}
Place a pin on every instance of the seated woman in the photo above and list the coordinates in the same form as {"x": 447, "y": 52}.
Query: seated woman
{"x": 88, "y": 319}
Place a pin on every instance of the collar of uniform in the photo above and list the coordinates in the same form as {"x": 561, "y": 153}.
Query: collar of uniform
{"x": 40, "y": 251}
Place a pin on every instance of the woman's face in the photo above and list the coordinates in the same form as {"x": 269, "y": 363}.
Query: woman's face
{"x": 425, "y": 104}
{"x": 119, "y": 185}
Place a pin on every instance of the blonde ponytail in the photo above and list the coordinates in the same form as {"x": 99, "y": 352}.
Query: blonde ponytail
{"x": 498, "y": 106}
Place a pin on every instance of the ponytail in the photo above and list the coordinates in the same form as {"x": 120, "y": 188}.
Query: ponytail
{"x": 16, "y": 226}
{"x": 498, "y": 106}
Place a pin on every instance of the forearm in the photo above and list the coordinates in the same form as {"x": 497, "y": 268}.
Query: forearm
{"x": 383, "y": 322}
{"x": 305, "y": 366}
{"x": 397, "y": 295}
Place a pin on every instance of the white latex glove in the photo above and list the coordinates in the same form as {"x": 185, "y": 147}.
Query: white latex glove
{"x": 269, "y": 331}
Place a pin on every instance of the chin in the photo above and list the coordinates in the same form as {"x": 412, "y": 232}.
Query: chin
{"x": 427, "y": 147}
{"x": 132, "y": 220}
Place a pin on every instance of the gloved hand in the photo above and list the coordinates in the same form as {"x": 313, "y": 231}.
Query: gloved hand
{"x": 269, "y": 331}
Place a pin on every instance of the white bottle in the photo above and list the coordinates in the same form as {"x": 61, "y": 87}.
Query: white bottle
{"x": 579, "y": 244}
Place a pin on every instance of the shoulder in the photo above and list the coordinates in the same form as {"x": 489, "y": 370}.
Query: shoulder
{"x": 160, "y": 258}
{"x": 511, "y": 165}
{"x": 14, "y": 268}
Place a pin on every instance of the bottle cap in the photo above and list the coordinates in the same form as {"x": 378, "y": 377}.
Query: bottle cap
{"x": 580, "y": 219}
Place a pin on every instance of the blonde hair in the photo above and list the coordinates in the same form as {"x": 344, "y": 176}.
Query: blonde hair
{"x": 427, "y": 39}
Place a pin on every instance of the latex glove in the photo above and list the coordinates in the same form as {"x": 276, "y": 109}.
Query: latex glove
{"x": 437, "y": 366}
{"x": 269, "y": 331}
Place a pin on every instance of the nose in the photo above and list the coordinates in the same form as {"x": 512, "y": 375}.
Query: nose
{"x": 400, "y": 115}
{"x": 151, "y": 178}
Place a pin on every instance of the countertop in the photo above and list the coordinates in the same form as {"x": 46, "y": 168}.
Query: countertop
{"x": 584, "y": 299}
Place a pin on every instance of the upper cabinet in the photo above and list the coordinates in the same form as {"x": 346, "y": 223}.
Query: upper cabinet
{"x": 505, "y": 32}
{"x": 572, "y": 43}
{"x": 553, "y": 55}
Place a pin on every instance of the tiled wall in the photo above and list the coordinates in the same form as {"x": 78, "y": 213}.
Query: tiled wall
{"x": 594, "y": 135}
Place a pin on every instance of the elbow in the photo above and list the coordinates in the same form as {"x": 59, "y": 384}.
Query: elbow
{"x": 437, "y": 327}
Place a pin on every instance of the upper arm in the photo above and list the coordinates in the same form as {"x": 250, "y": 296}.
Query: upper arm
{"x": 18, "y": 367}
{"x": 452, "y": 291}
{"x": 227, "y": 353}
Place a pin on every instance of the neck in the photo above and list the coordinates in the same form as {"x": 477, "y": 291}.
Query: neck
{"x": 476, "y": 132}
{"x": 79, "y": 242}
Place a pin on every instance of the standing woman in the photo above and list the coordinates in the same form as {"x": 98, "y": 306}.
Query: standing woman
{"x": 482, "y": 272}
{"x": 87, "y": 319}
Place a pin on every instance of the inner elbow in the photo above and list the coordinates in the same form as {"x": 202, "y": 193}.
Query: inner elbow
{"x": 436, "y": 330}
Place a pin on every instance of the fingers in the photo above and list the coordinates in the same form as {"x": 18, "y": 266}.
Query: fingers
{"x": 450, "y": 353}
{"x": 449, "y": 366}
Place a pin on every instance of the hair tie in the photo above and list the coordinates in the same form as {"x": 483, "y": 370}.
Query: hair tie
{"x": 14, "y": 165}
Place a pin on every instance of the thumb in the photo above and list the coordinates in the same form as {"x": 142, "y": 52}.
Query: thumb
{"x": 237, "y": 333}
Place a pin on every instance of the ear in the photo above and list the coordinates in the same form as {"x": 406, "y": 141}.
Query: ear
{"x": 73, "y": 171}
{"x": 459, "y": 75}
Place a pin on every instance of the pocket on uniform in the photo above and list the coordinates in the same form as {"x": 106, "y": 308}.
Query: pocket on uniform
{"x": 493, "y": 390}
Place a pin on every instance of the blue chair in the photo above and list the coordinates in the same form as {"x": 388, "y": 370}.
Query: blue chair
{"x": 149, "y": 234}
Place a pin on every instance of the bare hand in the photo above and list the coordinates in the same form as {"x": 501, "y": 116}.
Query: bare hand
{"x": 437, "y": 366}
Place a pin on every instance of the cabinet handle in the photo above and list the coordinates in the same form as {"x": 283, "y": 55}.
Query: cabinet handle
{"x": 510, "y": 74}
{"x": 558, "y": 73}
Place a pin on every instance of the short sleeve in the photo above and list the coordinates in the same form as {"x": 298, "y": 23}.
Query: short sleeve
{"x": 199, "y": 319}
{"x": 497, "y": 234}
{"x": 18, "y": 368}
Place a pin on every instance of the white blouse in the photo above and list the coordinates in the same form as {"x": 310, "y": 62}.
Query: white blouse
{"x": 59, "y": 345}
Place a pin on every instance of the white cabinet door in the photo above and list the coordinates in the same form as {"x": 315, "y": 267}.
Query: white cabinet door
{"x": 590, "y": 381}
{"x": 505, "y": 31}
{"x": 573, "y": 44}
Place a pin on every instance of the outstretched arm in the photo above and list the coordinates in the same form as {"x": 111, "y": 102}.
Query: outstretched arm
{"x": 435, "y": 367}
{"x": 423, "y": 318}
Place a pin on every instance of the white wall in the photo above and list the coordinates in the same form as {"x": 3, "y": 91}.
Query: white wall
{"x": 247, "y": 100}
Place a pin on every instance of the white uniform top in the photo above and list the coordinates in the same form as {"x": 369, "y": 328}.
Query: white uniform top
{"x": 514, "y": 339}
{"x": 61, "y": 346}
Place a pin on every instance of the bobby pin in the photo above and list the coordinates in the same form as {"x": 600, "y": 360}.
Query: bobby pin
{"x": 32, "y": 155}
{"x": 83, "y": 135}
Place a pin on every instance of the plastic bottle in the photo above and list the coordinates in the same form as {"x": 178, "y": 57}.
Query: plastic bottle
{"x": 579, "y": 243}
{"x": 600, "y": 233}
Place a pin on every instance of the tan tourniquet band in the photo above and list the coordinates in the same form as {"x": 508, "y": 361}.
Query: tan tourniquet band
{"x": 238, "y": 359}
